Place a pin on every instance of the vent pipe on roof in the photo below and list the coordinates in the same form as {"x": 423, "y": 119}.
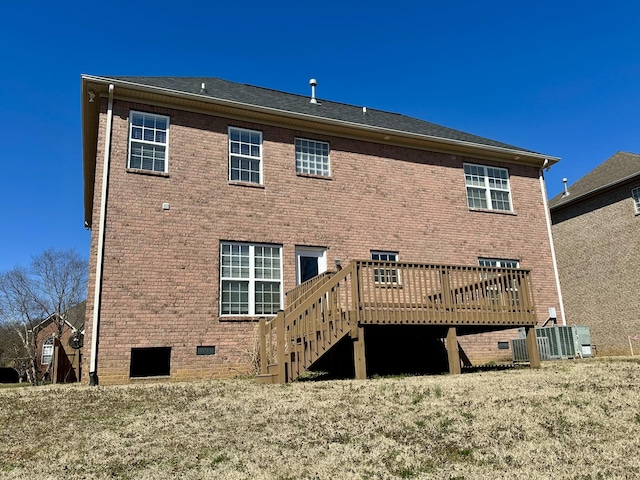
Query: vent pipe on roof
{"x": 203, "y": 88}
{"x": 364, "y": 110}
{"x": 566, "y": 191}
{"x": 313, "y": 82}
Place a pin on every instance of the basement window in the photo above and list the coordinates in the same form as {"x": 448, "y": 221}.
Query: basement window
{"x": 205, "y": 350}
{"x": 150, "y": 362}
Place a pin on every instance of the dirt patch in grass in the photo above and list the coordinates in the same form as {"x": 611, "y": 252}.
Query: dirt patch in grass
{"x": 567, "y": 420}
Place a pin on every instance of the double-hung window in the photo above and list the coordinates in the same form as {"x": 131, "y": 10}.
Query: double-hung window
{"x": 487, "y": 187}
{"x": 47, "y": 351}
{"x": 245, "y": 155}
{"x": 250, "y": 279}
{"x": 148, "y": 141}
{"x": 635, "y": 193}
{"x": 385, "y": 276}
{"x": 500, "y": 289}
{"x": 312, "y": 157}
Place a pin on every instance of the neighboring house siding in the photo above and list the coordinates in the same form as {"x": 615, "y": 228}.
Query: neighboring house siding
{"x": 597, "y": 245}
{"x": 161, "y": 267}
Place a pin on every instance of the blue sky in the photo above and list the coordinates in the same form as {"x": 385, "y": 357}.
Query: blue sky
{"x": 557, "y": 77}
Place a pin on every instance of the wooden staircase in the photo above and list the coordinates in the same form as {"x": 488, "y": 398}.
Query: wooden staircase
{"x": 326, "y": 309}
{"x": 319, "y": 314}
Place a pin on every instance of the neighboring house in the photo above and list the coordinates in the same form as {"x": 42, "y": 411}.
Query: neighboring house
{"x": 596, "y": 231}
{"x": 209, "y": 200}
{"x": 60, "y": 356}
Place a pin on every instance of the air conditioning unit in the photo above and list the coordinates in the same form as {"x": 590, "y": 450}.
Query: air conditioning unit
{"x": 520, "y": 353}
{"x": 567, "y": 341}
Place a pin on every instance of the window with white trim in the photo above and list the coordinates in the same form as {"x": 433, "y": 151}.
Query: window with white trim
{"x": 148, "y": 141}
{"x": 498, "y": 263}
{"x": 250, "y": 279}
{"x": 498, "y": 287}
{"x": 245, "y": 155}
{"x": 387, "y": 276}
{"x": 312, "y": 157}
{"x": 487, "y": 187}
{"x": 47, "y": 351}
{"x": 635, "y": 193}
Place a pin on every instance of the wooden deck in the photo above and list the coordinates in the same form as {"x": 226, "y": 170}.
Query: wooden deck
{"x": 323, "y": 311}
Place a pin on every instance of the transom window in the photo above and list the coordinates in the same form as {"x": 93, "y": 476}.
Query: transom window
{"x": 312, "y": 157}
{"x": 635, "y": 193}
{"x": 47, "y": 351}
{"x": 148, "y": 141}
{"x": 487, "y": 187}
{"x": 385, "y": 275}
{"x": 245, "y": 155}
{"x": 250, "y": 279}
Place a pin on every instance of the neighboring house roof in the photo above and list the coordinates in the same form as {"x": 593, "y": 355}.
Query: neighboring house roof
{"x": 294, "y": 111}
{"x": 621, "y": 167}
{"x": 74, "y": 318}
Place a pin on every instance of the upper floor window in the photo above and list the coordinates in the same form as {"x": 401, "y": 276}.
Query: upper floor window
{"x": 635, "y": 193}
{"x": 148, "y": 141}
{"x": 245, "y": 155}
{"x": 250, "y": 279}
{"x": 385, "y": 275}
{"x": 487, "y": 187}
{"x": 312, "y": 157}
{"x": 47, "y": 351}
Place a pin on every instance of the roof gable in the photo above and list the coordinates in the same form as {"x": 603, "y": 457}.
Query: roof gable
{"x": 620, "y": 167}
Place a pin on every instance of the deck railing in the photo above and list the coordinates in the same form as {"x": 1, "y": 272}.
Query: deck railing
{"x": 416, "y": 293}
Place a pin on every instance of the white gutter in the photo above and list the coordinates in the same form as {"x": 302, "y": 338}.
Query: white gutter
{"x": 319, "y": 119}
{"x": 93, "y": 376}
{"x": 543, "y": 190}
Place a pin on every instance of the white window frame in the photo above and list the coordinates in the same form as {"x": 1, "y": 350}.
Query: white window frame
{"x": 499, "y": 262}
{"x": 152, "y": 143}
{"x": 47, "y": 351}
{"x": 486, "y": 186}
{"x": 635, "y": 194}
{"x": 387, "y": 276}
{"x": 248, "y": 156}
{"x": 251, "y": 279}
{"x": 315, "y": 158}
{"x": 492, "y": 290}
{"x": 318, "y": 252}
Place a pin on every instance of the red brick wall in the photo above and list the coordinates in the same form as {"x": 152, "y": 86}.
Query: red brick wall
{"x": 161, "y": 275}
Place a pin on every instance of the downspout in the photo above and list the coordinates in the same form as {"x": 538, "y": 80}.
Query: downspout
{"x": 547, "y": 215}
{"x": 93, "y": 374}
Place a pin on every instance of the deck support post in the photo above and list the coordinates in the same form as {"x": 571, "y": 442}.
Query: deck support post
{"x": 532, "y": 347}
{"x": 280, "y": 341}
{"x": 452, "y": 351}
{"x": 359, "y": 360}
{"x": 262, "y": 343}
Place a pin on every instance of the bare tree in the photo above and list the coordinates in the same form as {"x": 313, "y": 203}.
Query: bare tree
{"x": 54, "y": 282}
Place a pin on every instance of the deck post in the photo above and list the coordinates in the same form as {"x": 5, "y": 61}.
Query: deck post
{"x": 452, "y": 351}
{"x": 262, "y": 345}
{"x": 359, "y": 360}
{"x": 280, "y": 340}
{"x": 532, "y": 347}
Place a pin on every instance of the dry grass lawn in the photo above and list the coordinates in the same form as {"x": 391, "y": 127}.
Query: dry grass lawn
{"x": 573, "y": 419}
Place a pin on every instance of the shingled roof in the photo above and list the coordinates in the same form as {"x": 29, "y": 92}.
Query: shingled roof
{"x": 251, "y": 95}
{"x": 617, "y": 169}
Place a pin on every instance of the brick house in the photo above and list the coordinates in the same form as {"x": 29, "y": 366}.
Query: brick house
{"x": 596, "y": 231}
{"x": 218, "y": 198}
{"x": 59, "y": 354}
